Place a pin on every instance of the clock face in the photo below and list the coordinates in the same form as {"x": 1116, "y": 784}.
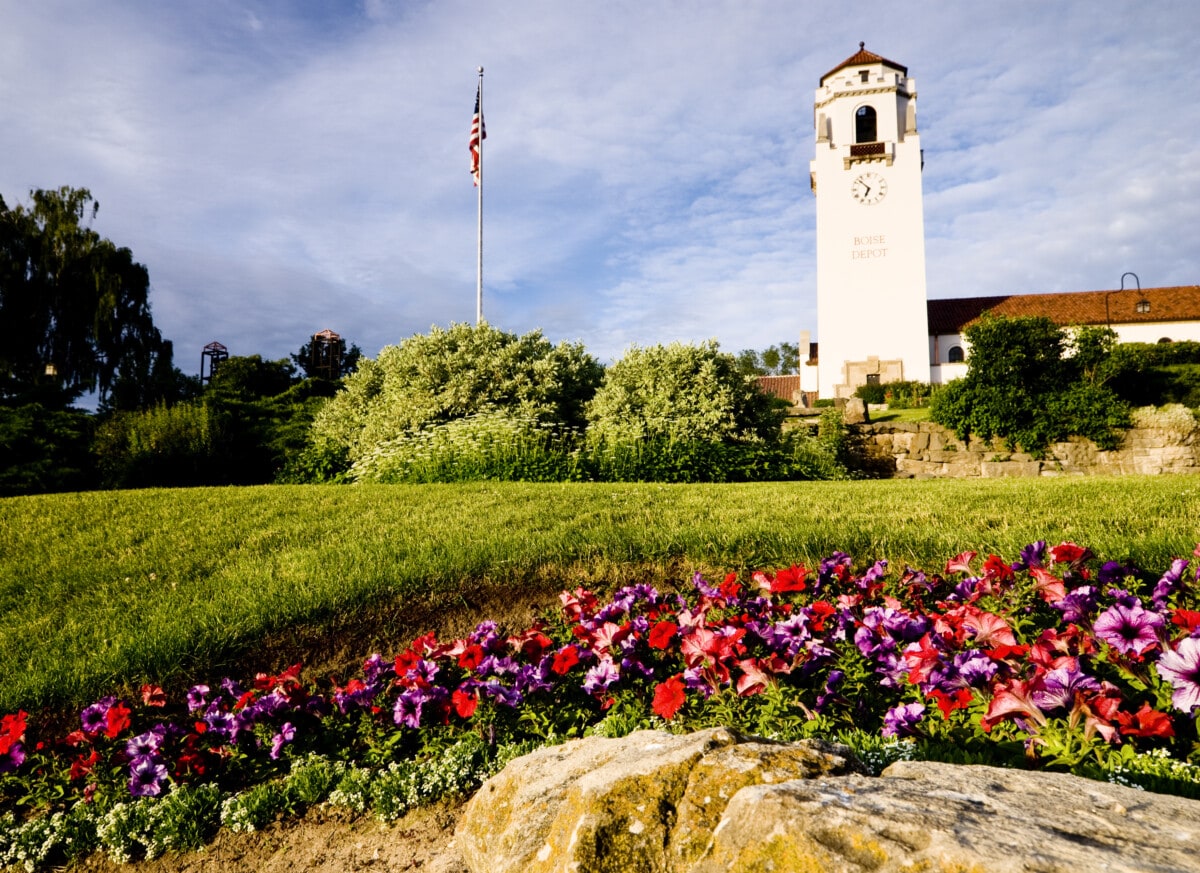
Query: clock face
{"x": 869, "y": 188}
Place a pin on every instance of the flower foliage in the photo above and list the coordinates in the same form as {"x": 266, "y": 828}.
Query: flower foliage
{"x": 1056, "y": 658}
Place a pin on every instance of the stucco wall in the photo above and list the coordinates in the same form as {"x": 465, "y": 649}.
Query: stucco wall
{"x": 1165, "y": 440}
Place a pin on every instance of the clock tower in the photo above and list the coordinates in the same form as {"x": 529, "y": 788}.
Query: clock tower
{"x": 871, "y": 313}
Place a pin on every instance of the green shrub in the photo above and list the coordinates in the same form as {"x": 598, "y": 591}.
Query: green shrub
{"x": 165, "y": 445}
{"x": 449, "y": 374}
{"x": 1022, "y": 386}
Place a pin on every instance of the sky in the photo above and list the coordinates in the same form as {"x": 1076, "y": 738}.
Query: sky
{"x": 286, "y": 166}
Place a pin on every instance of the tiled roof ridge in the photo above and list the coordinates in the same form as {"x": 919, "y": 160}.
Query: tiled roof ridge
{"x": 1167, "y": 304}
{"x": 862, "y": 56}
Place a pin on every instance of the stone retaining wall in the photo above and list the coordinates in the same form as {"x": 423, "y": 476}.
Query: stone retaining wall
{"x": 1165, "y": 440}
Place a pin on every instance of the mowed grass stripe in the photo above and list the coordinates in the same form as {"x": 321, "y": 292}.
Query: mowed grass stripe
{"x": 109, "y": 588}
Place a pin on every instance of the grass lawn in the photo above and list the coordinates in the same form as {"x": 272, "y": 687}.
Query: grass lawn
{"x": 103, "y": 589}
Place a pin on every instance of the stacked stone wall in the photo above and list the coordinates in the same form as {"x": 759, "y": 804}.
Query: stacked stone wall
{"x": 1165, "y": 440}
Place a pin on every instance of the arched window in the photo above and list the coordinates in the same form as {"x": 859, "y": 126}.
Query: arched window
{"x": 864, "y": 124}
{"x": 1165, "y": 339}
{"x": 955, "y": 355}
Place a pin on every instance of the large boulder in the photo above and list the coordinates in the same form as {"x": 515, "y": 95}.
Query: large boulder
{"x": 647, "y": 802}
{"x": 718, "y": 801}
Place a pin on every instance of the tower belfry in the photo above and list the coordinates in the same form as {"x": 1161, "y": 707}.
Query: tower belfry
{"x": 871, "y": 312}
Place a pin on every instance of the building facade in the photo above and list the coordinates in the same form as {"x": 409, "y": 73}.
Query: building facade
{"x": 866, "y": 175}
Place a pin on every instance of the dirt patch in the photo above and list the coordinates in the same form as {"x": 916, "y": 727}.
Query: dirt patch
{"x": 323, "y": 841}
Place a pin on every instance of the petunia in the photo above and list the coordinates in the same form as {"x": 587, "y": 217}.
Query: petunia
{"x": 1146, "y": 722}
{"x": 287, "y": 733}
{"x": 197, "y": 697}
{"x": 153, "y": 695}
{"x": 1181, "y": 667}
{"x": 147, "y": 777}
{"x": 1168, "y": 584}
{"x": 669, "y": 697}
{"x": 902, "y": 721}
{"x": 464, "y": 702}
{"x": 143, "y": 745}
{"x": 1060, "y": 686}
{"x": 564, "y": 659}
{"x": 407, "y": 711}
{"x": 601, "y": 676}
{"x": 93, "y": 717}
{"x": 662, "y": 634}
{"x": 1078, "y": 604}
{"x": 1128, "y": 629}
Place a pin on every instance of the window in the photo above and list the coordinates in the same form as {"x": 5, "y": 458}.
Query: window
{"x": 955, "y": 355}
{"x": 864, "y": 124}
{"x": 872, "y": 378}
{"x": 1163, "y": 340}
{"x": 864, "y": 76}
{"x": 1142, "y": 305}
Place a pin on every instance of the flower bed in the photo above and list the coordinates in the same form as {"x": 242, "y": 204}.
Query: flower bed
{"x": 1055, "y": 659}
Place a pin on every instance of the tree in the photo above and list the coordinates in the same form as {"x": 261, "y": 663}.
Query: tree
{"x": 1023, "y": 386}
{"x": 777, "y": 360}
{"x": 74, "y": 306}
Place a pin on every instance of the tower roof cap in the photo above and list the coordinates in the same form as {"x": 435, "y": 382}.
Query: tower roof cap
{"x": 862, "y": 56}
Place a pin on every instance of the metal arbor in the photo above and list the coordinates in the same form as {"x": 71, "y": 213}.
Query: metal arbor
{"x": 325, "y": 355}
{"x": 212, "y": 356}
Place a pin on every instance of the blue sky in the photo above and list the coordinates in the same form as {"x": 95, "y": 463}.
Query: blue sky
{"x": 285, "y": 167}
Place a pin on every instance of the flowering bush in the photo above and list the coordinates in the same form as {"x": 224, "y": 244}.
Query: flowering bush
{"x": 1055, "y": 659}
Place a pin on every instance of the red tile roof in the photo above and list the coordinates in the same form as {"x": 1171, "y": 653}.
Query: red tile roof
{"x": 1180, "y": 303}
{"x": 783, "y": 387}
{"x": 862, "y": 56}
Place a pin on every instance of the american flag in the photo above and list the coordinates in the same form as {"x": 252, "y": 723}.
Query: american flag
{"x": 478, "y": 134}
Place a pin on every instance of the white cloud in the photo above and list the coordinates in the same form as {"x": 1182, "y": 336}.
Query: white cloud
{"x": 283, "y": 168}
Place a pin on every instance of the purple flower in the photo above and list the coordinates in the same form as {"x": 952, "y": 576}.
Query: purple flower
{"x": 1128, "y": 629}
{"x": 147, "y": 777}
{"x": 1059, "y": 688}
{"x": 375, "y": 667}
{"x": 143, "y": 744}
{"x": 222, "y": 724}
{"x": 878, "y": 571}
{"x": 902, "y": 721}
{"x": 94, "y": 717}
{"x": 601, "y": 676}
{"x": 197, "y": 697}
{"x": 407, "y": 711}
{"x": 1033, "y": 555}
{"x": 974, "y": 669}
{"x": 1078, "y": 604}
{"x": 1113, "y": 572}
{"x": 13, "y": 758}
{"x": 286, "y": 734}
{"x": 232, "y": 688}
{"x": 1168, "y": 584}
{"x": 1181, "y": 667}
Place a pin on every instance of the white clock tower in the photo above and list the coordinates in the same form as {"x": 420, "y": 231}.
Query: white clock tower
{"x": 871, "y": 314}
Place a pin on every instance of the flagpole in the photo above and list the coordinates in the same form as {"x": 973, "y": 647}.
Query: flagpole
{"x": 479, "y": 220}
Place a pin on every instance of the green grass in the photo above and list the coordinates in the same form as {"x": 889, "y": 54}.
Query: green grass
{"x": 103, "y": 589}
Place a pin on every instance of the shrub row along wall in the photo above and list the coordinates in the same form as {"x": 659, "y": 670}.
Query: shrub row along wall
{"x": 1165, "y": 440}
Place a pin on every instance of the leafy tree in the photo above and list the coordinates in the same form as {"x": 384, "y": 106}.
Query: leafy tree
{"x": 75, "y": 306}
{"x": 777, "y": 360}
{"x": 1023, "y": 386}
{"x": 451, "y": 373}
{"x": 680, "y": 392}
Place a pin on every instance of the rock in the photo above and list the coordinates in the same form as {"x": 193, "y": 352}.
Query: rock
{"x": 647, "y": 802}
{"x": 718, "y": 801}
{"x": 855, "y": 411}
{"x": 942, "y": 817}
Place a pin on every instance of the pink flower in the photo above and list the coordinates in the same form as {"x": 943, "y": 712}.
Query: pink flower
{"x": 1181, "y": 667}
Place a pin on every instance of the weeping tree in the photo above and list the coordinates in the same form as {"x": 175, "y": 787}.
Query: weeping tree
{"x": 74, "y": 308}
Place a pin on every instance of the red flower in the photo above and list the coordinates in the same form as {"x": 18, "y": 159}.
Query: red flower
{"x": 1186, "y": 619}
{"x": 1049, "y": 587}
{"x": 1069, "y": 553}
{"x": 82, "y": 766}
{"x": 661, "y": 634}
{"x": 532, "y": 644}
{"x": 116, "y": 720}
{"x": 471, "y": 658}
{"x": 947, "y": 703}
{"x": 817, "y": 613}
{"x": 1146, "y": 722}
{"x": 668, "y": 698}
{"x": 12, "y": 731}
{"x": 153, "y": 695}
{"x": 564, "y": 659}
{"x": 464, "y": 703}
{"x": 730, "y": 588}
{"x": 995, "y": 568}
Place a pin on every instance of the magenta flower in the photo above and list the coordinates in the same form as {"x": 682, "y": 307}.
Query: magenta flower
{"x": 600, "y": 677}
{"x": 1181, "y": 667}
{"x": 143, "y": 745}
{"x": 1128, "y": 629}
{"x": 407, "y": 711}
{"x": 12, "y": 759}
